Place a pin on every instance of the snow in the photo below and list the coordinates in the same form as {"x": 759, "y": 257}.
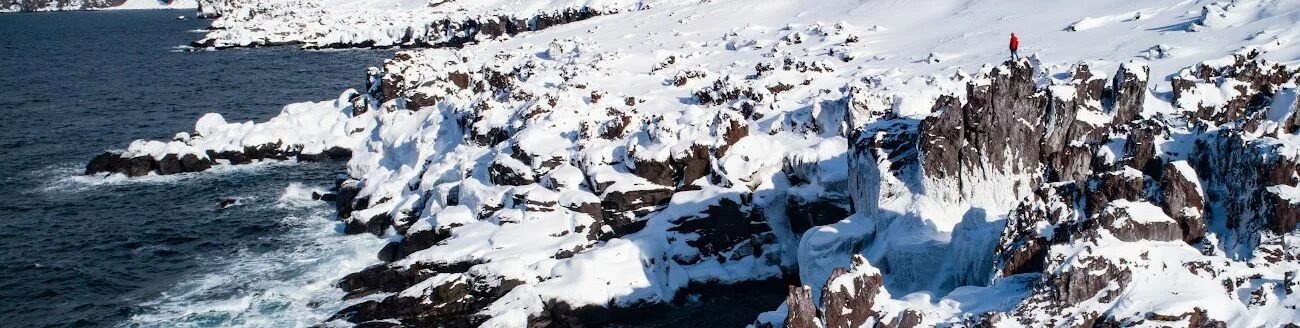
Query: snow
{"x": 933, "y": 240}
{"x": 1288, "y": 193}
{"x": 1139, "y": 212}
{"x": 315, "y": 127}
{"x": 156, "y": 4}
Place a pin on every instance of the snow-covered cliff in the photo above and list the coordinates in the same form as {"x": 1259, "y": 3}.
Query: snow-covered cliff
{"x": 59, "y": 5}
{"x": 1139, "y": 167}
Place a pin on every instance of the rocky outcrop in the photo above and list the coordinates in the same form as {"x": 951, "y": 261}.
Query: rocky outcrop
{"x": 110, "y": 162}
{"x": 802, "y": 312}
{"x": 1135, "y": 221}
{"x": 1183, "y": 200}
{"x": 849, "y": 299}
{"x": 1009, "y": 127}
{"x": 1252, "y": 80}
{"x": 849, "y": 296}
{"x": 724, "y": 227}
{"x": 417, "y": 28}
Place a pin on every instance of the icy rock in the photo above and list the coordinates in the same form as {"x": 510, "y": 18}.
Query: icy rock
{"x": 849, "y": 296}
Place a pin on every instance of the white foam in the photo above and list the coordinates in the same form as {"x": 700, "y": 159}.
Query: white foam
{"x": 293, "y": 286}
{"x": 69, "y": 177}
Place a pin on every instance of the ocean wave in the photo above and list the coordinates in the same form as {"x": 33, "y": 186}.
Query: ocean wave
{"x": 291, "y": 286}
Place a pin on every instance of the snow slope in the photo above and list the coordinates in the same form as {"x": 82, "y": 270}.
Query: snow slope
{"x": 1144, "y": 149}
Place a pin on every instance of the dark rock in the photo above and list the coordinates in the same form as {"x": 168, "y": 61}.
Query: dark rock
{"x": 140, "y": 166}
{"x": 421, "y": 240}
{"x": 660, "y": 173}
{"x": 505, "y": 174}
{"x": 106, "y": 162}
{"x": 692, "y": 166}
{"x": 170, "y": 164}
{"x": 1106, "y": 187}
{"x": 1129, "y": 87}
{"x": 1085, "y": 280}
{"x": 391, "y": 252}
{"x": 556, "y": 314}
{"x": 1127, "y": 226}
{"x": 623, "y": 208}
{"x": 1021, "y": 249}
{"x": 1140, "y": 148}
{"x": 805, "y": 214}
{"x": 802, "y": 313}
{"x": 194, "y": 163}
{"x": 375, "y": 225}
{"x": 907, "y": 319}
{"x": 853, "y": 303}
{"x": 1283, "y": 213}
{"x": 1182, "y": 200}
{"x": 942, "y": 139}
{"x": 724, "y": 226}
{"x": 345, "y": 203}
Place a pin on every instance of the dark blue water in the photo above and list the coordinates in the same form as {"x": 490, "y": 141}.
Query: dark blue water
{"x": 156, "y": 251}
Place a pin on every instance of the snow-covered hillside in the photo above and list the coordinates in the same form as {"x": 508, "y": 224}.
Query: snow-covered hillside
{"x": 59, "y": 5}
{"x": 1137, "y": 168}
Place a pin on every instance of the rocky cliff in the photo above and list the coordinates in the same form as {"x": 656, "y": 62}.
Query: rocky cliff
{"x": 549, "y": 177}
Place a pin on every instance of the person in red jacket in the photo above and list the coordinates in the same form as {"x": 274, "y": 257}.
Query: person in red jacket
{"x": 1015, "y": 45}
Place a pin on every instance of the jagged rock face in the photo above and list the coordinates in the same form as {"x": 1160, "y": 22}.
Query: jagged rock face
{"x": 1254, "y": 81}
{"x": 1239, "y": 170}
{"x": 1009, "y": 127}
{"x": 802, "y": 311}
{"x": 1184, "y": 200}
{"x": 847, "y": 300}
{"x": 1023, "y": 246}
{"x": 1129, "y": 88}
{"x": 1126, "y": 184}
{"x": 1087, "y": 279}
{"x": 1140, "y": 147}
{"x": 984, "y": 137}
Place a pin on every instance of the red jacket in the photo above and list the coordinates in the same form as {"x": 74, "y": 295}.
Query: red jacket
{"x": 1015, "y": 42}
